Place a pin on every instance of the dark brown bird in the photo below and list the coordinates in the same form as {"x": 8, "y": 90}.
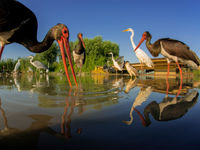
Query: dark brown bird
{"x": 171, "y": 49}
{"x": 19, "y": 24}
{"x": 79, "y": 52}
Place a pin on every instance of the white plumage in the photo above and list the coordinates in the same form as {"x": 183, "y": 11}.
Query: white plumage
{"x": 141, "y": 55}
{"x": 141, "y": 98}
{"x": 131, "y": 70}
{"x": 115, "y": 63}
{"x": 17, "y": 66}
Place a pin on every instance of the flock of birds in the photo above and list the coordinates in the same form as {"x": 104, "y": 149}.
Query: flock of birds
{"x": 19, "y": 24}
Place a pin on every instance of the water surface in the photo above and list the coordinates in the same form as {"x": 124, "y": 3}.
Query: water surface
{"x": 105, "y": 112}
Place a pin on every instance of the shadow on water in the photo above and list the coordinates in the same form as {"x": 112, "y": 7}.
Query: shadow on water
{"x": 43, "y": 112}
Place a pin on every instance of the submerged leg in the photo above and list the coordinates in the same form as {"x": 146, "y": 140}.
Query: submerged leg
{"x": 180, "y": 70}
{"x": 167, "y": 83}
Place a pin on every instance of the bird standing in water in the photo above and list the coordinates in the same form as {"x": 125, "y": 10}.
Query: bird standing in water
{"x": 131, "y": 70}
{"x": 37, "y": 64}
{"x": 173, "y": 50}
{"x": 79, "y": 52}
{"x": 141, "y": 55}
{"x": 18, "y": 24}
{"x": 118, "y": 66}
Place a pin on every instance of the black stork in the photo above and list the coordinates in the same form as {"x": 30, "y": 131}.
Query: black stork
{"x": 173, "y": 50}
{"x": 19, "y": 24}
{"x": 79, "y": 52}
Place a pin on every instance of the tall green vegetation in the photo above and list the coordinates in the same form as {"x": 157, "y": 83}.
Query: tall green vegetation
{"x": 96, "y": 55}
{"x": 97, "y": 52}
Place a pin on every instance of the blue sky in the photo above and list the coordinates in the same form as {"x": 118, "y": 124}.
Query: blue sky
{"x": 177, "y": 19}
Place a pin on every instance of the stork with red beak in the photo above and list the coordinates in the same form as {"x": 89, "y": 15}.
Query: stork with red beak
{"x": 173, "y": 50}
{"x": 18, "y": 24}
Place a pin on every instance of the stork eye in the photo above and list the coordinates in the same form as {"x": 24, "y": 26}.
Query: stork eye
{"x": 65, "y": 31}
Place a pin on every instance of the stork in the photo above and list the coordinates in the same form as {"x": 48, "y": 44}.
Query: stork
{"x": 18, "y": 24}
{"x": 173, "y": 50}
{"x": 79, "y": 52}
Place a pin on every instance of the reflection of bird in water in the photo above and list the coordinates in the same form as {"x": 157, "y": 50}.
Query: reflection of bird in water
{"x": 79, "y": 52}
{"x": 17, "y": 65}
{"x": 170, "y": 108}
{"x": 141, "y": 98}
{"x": 118, "y": 83}
{"x": 130, "y": 84}
{"x": 17, "y": 83}
{"x": 141, "y": 55}
{"x": 131, "y": 70}
{"x": 37, "y": 64}
{"x": 118, "y": 63}
{"x": 4, "y": 118}
{"x": 67, "y": 132}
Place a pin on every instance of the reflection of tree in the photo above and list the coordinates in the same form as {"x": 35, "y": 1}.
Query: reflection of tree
{"x": 170, "y": 108}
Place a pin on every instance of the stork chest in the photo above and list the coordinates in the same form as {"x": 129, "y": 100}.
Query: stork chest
{"x": 166, "y": 54}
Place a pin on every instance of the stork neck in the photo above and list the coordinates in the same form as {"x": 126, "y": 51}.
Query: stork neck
{"x": 148, "y": 43}
{"x": 79, "y": 48}
{"x": 39, "y": 47}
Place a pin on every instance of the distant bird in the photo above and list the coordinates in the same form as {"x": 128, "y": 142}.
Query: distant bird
{"x": 141, "y": 55}
{"x": 79, "y": 52}
{"x": 19, "y": 24}
{"x": 17, "y": 65}
{"x": 173, "y": 50}
{"x": 37, "y": 64}
{"x": 131, "y": 70}
{"x": 116, "y": 64}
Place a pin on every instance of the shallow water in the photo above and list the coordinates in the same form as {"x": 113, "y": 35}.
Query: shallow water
{"x": 105, "y": 112}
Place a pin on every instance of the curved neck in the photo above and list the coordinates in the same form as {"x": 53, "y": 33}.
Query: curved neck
{"x": 112, "y": 57}
{"x": 154, "y": 49}
{"x": 148, "y": 43}
{"x": 31, "y": 60}
{"x": 132, "y": 42}
{"x": 39, "y": 47}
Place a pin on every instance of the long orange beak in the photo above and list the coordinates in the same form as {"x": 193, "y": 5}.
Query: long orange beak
{"x": 65, "y": 42}
{"x": 142, "y": 40}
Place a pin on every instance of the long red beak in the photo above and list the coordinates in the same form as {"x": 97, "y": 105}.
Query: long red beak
{"x": 82, "y": 41}
{"x": 142, "y": 40}
{"x": 65, "y": 42}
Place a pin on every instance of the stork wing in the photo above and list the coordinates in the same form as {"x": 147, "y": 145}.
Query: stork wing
{"x": 180, "y": 49}
{"x": 14, "y": 14}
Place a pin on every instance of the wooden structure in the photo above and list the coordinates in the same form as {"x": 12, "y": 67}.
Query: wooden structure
{"x": 160, "y": 67}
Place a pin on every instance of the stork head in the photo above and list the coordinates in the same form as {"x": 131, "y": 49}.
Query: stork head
{"x": 80, "y": 37}
{"x": 145, "y": 36}
{"x": 60, "y": 33}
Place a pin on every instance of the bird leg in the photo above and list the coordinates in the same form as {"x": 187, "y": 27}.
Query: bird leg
{"x": 167, "y": 83}
{"x": 180, "y": 70}
{"x": 1, "y": 51}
